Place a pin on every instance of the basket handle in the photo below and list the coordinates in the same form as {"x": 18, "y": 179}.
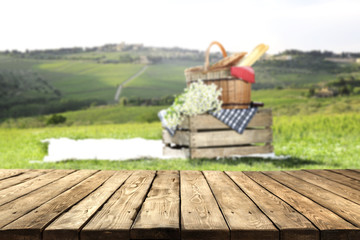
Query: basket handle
{"x": 207, "y": 54}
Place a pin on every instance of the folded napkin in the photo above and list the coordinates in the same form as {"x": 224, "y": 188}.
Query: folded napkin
{"x": 245, "y": 73}
{"x": 237, "y": 119}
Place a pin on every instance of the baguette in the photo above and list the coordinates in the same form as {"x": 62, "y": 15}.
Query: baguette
{"x": 250, "y": 59}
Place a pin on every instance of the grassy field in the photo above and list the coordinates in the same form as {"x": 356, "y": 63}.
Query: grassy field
{"x": 83, "y": 80}
{"x": 286, "y": 102}
{"x": 78, "y": 80}
{"x": 271, "y": 77}
{"x": 314, "y": 132}
{"x": 87, "y": 79}
{"x": 312, "y": 141}
{"x": 159, "y": 81}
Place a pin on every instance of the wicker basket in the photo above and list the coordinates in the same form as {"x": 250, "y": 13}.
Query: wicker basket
{"x": 236, "y": 93}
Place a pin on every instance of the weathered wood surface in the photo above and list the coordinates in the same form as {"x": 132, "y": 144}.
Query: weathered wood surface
{"x": 331, "y": 226}
{"x": 204, "y": 136}
{"x": 218, "y": 138}
{"x": 68, "y": 225}
{"x": 339, "y": 178}
{"x": 200, "y": 215}
{"x": 216, "y": 152}
{"x": 88, "y": 204}
{"x": 262, "y": 119}
{"x": 229, "y": 151}
{"x": 21, "y": 178}
{"x": 244, "y": 218}
{"x": 292, "y": 225}
{"x": 116, "y": 217}
{"x": 158, "y": 217}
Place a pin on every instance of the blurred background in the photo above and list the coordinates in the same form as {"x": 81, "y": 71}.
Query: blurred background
{"x": 103, "y": 69}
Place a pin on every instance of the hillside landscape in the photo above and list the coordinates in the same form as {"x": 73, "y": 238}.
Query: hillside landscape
{"x": 314, "y": 97}
{"x": 51, "y": 81}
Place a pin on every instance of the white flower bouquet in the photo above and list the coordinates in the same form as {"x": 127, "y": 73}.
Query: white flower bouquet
{"x": 198, "y": 98}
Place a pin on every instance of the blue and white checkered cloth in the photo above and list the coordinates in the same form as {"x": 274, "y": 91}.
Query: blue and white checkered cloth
{"x": 237, "y": 119}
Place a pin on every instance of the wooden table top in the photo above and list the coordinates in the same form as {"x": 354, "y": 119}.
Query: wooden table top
{"x": 90, "y": 204}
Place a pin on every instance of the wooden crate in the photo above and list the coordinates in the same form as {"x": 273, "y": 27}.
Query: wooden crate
{"x": 204, "y": 136}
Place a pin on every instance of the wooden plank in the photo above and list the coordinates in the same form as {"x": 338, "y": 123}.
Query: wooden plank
{"x": 31, "y": 225}
{"x": 331, "y": 226}
{"x": 8, "y": 173}
{"x": 115, "y": 218}
{"x": 226, "y": 138}
{"x": 337, "y": 178}
{"x": 68, "y": 225}
{"x": 181, "y": 138}
{"x": 337, "y": 188}
{"x": 342, "y": 207}
{"x": 176, "y": 152}
{"x": 201, "y": 217}
{"x": 263, "y": 118}
{"x": 16, "y": 191}
{"x": 244, "y": 218}
{"x": 21, "y": 206}
{"x": 21, "y": 178}
{"x": 292, "y": 224}
{"x": 348, "y": 173}
{"x": 158, "y": 217}
{"x": 212, "y": 152}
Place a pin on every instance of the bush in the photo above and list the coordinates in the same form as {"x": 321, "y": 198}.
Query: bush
{"x": 56, "y": 119}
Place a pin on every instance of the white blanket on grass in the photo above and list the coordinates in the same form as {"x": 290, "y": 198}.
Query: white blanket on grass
{"x": 63, "y": 149}
{"x": 102, "y": 149}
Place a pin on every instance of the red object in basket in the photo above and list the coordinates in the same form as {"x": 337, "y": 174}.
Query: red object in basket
{"x": 245, "y": 73}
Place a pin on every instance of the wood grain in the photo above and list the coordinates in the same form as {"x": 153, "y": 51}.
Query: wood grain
{"x": 68, "y": 225}
{"x": 21, "y": 206}
{"x": 31, "y": 225}
{"x": 226, "y": 138}
{"x": 116, "y": 217}
{"x": 229, "y": 151}
{"x": 292, "y": 224}
{"x": 244, "y": 218}
{"x": 176, "y": 152}
{"x": 201, "y": 218}
{"x": 348, "y": 173}
{"x": 262, "y": 119}
{"x": 140, "y": 204}
{"x": 8, "y": 173}
{"x": 334, "y": 187}
{"x": 181, "y": 138}
{"x": 21, "y": 178}
{"x": 331, "y": 226}
{"x": 337, "y": 178}
{"x": 342, "y": 207}
{"x": 158, "y": 217}
{"x": 21, "y": 189}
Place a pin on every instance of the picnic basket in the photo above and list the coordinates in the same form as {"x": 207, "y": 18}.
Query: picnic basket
{"x": 236, "y": 93}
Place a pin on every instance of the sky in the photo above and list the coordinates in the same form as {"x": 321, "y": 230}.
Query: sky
{"x": 239, "y": 25}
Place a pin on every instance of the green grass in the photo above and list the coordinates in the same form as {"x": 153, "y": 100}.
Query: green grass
{"x": 112, "y": 114}
{"x": 77, "y": 80}
{"x": 295, "y": 102}
{"x": 289, "y": 102}
{"x": 158, "y": 81}
{"x": 312, "y": 141}
{"x": 270, "y": 77}
{"x": 83, "y": 80}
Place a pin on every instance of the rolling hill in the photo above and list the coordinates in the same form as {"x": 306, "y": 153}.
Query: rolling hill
{"x": 48, "y": 81}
